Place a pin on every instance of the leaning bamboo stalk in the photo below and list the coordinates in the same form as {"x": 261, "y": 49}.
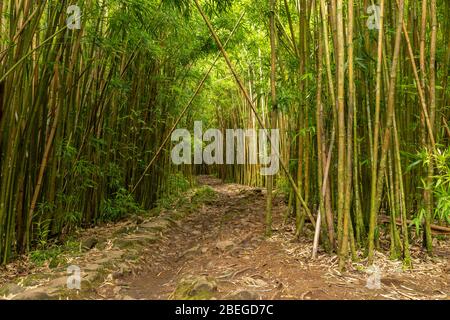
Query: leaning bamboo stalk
{"x": 250, "y": 102}
{"x": 376, "y": 129}
{"x": 375, "y": 203}
{"x": 432, "y": 70}
{"x": 341, "y": 118}
{"x": 43, "y": 165}
{"x": 401, "y": 192}
{"x": 349, "y": 155}
{"x": 273, "y": 57}
{"x": 319, "y": 133}
{"x": 419, "y": 84}
{"x": 185, "y": 109}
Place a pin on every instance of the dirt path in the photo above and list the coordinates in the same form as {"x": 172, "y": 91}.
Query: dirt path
{"x": 222, "y": 245}
{"x": 210, "y": 245}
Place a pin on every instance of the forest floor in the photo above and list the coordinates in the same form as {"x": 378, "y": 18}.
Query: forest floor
{"x": 218, "y": 251}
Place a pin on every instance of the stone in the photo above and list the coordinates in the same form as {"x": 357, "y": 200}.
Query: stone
{"x": 125, "y": 230}
{"x": 244, "y": 295}
{"x": 33, "y": 295}
{"x": 156, "y": 225}
{"x": 92, "y": 267}
{"x": 257, "y": 191}
{"x": 123, "y": 270}
{"x": 90, "y": 276}
{"x": 124, "y": 243}
{"x": 137, "y": 219}
{"x": 89, "y": 243}
{"x": 11, "y": 288}
{"x": 136, "y": 240}
{"x": 103, "y": 260}
{"x": 58, "y": 282}
{"x": 203, "y": 284}
{"x": 117, "y": 290}
{"x": 224, "y": 245}
{"x": 195, "y": 288}
{"x": 116, "y": 254}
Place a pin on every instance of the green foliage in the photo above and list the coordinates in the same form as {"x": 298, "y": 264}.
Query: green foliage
{"x": 42, "y": 231}
{"x": 283, "y": 186}
{"x": 39, "y": 257}
{"x": 440, "y": 184}
{"x": 118, "y": 206}
{"x": 211, "y": 6}
{"x": 101, "y": 100}
{"x": 176, "y": 185}
{"x": 204, "y": 194}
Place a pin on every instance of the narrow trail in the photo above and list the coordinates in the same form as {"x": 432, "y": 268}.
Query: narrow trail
{"x": 211, "y": 245}
{"x": 223, "y": 245}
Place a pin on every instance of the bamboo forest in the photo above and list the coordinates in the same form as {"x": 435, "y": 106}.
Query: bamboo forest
{"x": 224, "y": 149}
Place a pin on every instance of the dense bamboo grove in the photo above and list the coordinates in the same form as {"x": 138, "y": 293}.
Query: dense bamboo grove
{"x": 83, "y": 111}
{"x": 362, "y": 111}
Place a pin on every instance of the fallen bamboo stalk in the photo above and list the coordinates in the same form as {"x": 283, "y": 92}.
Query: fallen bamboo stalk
{"x": 437, "y": 229}
{"x": 185, "y": 109}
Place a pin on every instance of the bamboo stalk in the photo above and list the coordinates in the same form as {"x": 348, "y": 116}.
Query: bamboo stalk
{"x": 250, "y": 102}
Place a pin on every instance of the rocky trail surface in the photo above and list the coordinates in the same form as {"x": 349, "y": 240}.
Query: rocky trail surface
{"x": 215, "y": 249}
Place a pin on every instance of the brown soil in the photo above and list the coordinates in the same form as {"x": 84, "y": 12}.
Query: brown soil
{"x": 224, "y": 242}
{"x": 220, "y": 248}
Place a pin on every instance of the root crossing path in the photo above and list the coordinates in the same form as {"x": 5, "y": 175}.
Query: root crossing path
{"x": 220, "y": 252}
